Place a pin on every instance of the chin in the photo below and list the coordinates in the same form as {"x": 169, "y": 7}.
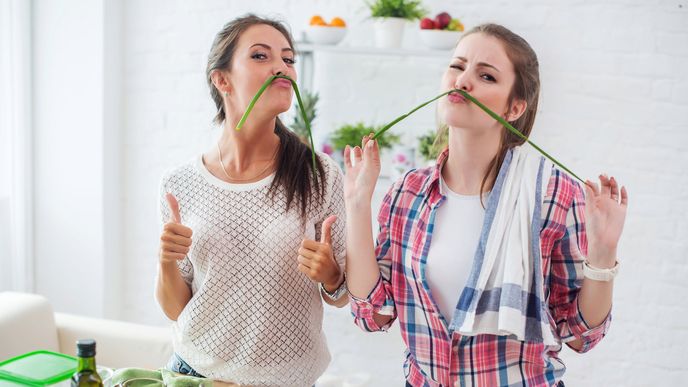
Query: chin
{"x": 283, "y": 107}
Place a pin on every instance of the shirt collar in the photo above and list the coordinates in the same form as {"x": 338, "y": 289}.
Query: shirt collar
{"x": 434, "y": 182}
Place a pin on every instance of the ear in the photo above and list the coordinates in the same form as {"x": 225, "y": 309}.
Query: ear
{"x": 221, "y": 81}
{"x": 516, "y": 110}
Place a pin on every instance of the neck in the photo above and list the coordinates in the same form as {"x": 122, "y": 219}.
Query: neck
{"x": 469, "y": 158}
{"x": 254, "y": 142}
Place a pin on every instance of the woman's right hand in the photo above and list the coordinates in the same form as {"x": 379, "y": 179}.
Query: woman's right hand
{"x": 175, "y": 240}
{"x": 361, "y": 175}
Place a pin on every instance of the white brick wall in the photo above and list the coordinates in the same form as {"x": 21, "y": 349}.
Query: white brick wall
{"x": 614, "y": 99}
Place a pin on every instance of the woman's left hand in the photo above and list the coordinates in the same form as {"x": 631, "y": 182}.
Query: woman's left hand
{"x": 605, "y": 213}
{"x": 316, "y": 259}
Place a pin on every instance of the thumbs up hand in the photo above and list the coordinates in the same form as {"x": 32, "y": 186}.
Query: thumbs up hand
{"x": 175, "y": 240}
{"x": 316, "y": 259}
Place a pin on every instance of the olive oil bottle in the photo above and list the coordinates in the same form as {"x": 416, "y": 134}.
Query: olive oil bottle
{"x": 86, "y": 374}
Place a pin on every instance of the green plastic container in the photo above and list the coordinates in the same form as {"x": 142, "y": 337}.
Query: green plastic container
{"x": 38, "y": 368}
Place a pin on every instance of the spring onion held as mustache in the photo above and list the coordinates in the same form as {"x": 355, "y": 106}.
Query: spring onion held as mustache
{"x": 303, "y": 112}
{"x": 491, "y": 114}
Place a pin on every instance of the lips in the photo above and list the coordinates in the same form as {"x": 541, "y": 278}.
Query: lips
{"x": 282, "y": 83}
{"x": 456, "y": 98}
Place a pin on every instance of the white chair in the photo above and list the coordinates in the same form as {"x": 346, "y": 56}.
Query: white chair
{"x": 28, "y": 323}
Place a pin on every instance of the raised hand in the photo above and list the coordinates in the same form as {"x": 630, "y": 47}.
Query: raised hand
{"x": 605, "y": 213}
{"x": 361, "y": 174}
{"x": 316, "y": 259}
{"x": 175, "y": 240}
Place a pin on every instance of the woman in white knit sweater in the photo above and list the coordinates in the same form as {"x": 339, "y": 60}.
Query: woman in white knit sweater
{"x": 249, "y": 247}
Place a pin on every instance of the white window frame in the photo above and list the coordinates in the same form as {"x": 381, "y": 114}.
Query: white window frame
{"x": 15, "y": 76}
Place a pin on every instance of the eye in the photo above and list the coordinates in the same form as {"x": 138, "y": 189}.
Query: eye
{"x": 289, "y": 61}
{"x": 259, "y": 56}
{"x": 457, "y": 67}
{"x": 488, "y": 77}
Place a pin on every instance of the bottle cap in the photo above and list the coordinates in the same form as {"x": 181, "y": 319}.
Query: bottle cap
{"x": 86, "y": 348}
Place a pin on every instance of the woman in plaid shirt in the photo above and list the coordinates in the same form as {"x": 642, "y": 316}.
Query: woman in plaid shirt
{"x": 425, "y": 269}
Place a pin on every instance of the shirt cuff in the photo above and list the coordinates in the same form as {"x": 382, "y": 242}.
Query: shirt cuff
{"x": 376, "y": 302}
{"x": 580, "y": 329}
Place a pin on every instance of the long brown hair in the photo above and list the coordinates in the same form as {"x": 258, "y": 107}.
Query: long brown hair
{"x": 526, "y": 87}
{"x": 294, "y": 171}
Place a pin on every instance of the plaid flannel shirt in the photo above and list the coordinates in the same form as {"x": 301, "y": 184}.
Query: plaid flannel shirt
{"x": 437, "y": 357}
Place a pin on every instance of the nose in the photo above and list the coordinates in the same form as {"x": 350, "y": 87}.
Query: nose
{"x": 463, "y": 82}
{"x": 280, "y": 68}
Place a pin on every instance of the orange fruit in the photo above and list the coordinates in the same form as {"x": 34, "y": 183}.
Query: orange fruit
{"x": 317, "y": 20}
{"x": 337, "y": 22}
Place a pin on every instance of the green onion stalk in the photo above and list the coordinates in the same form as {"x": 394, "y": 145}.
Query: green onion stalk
{"x": 489, "y": 112}
{"x": 303, "y": 112}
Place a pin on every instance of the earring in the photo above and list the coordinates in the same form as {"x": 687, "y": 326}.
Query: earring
{"x": 226, "y": 94}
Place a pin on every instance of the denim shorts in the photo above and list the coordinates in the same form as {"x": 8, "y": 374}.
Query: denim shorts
{"x": 178, "y": 365}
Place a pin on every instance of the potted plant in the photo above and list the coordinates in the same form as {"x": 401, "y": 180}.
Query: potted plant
{"x": 390, "y": 17}
{"x": 351, "y": 135}
{"x": 430, "y": 145}
{"x": 298, "y": 126}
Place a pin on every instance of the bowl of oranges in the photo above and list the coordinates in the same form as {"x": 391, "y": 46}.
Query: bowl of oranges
{"x": 321, "y": 32}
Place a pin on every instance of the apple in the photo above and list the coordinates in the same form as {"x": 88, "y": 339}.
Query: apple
{"x": 442, "y": 20}
{"x": 427, "y": 24}
{"x": 455, "y": 25}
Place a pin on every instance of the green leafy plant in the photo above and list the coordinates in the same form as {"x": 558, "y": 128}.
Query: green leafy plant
{"x": 298, "y": 126}
{"x": 432, "y": 143}
{"x": 492, "y": 114}
{"x": 351, "y": 134}
{"x": 405, "y": 9}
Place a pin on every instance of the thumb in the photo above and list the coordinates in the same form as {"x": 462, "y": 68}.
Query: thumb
{"x": 174, "y": 208}
{"x": 326, "y": 234}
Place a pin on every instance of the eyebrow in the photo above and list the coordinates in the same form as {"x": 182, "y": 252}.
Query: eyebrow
{"x": 268, "y": 47}
{"x": 480, "y": 64}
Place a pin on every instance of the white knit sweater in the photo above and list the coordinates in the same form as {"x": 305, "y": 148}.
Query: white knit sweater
{"x": 254, "y": 318}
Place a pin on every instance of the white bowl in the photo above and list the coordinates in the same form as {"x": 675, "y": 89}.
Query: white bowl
{"x": 440, "y": 39}
{"x": 325, "y": 34}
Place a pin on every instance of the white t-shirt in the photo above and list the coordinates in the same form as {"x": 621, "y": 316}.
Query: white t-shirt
{"x": 254, "y": 318}
{"x": 455, "y": 236}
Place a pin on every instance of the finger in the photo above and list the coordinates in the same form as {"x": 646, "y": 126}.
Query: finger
{"x": 606, "y": 188}
{"x": 174, "y": 208}
{"x": 347, "y": 159}
{"x": 589, "y": 193}
{"x": 614, "y": 189}
{"x": 364, "y": 141}
{"x": 371, "y": 152}
{"x": 178, "y": 229}
{"x": 310, "y": 273}
{"x": 326, "y": 232}
{"x": 174, "y": 238}
{"x": 624, "y": 197}
{"x": 593, "y": 187}
{"x": 358, "y": 154}
{"x": 303, "y": 261}
{"x": 174, "y": 248}
{"x": 310, "y": 244}
{"x": 308, "y": 254}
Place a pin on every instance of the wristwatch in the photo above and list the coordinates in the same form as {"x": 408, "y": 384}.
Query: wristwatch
{"x": 595, "y": 274}
{"x": 337, "y": 293}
